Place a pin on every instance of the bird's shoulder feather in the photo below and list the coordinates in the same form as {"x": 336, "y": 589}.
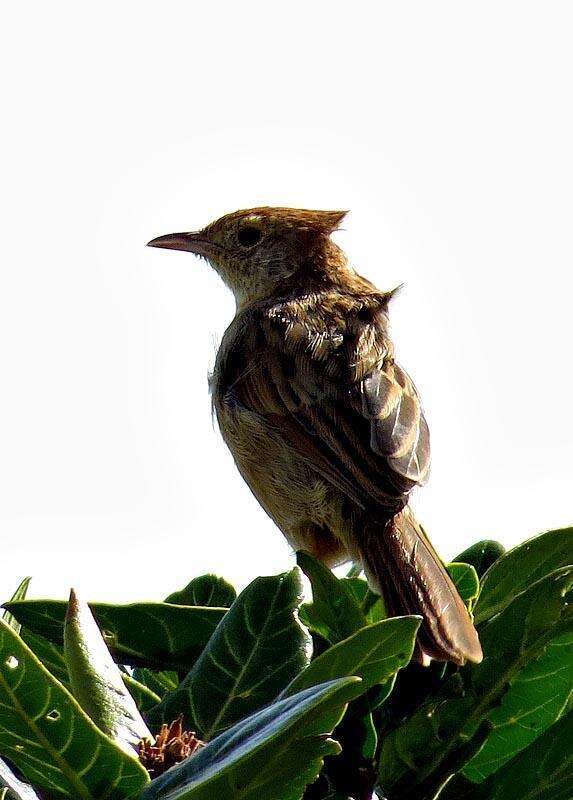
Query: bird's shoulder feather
{"x": 321, "y": 366}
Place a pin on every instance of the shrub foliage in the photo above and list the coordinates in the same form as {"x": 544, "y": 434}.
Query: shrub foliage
{"x": 293, "y": 700}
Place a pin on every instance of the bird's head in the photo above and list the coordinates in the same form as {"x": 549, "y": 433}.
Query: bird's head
{"x": 258, "y": 249}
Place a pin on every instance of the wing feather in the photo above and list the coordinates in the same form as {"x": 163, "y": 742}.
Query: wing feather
{"x": 321, "y": 371}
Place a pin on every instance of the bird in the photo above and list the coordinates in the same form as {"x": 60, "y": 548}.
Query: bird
{"x": 324, "y": 425}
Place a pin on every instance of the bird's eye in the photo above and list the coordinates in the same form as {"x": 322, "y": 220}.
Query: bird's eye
{"x": 249, "y": 236}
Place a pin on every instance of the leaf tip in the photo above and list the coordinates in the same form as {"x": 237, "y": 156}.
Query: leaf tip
{"x": 73, "y": 606}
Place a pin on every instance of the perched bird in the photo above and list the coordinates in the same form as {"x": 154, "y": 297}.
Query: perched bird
{"x": 324, "y": 426}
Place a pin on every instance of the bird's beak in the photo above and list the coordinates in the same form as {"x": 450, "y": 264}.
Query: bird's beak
{"x": 192, "y": 242}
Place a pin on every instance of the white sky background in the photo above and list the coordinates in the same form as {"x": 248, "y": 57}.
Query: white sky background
{"x": 446, "y": 128}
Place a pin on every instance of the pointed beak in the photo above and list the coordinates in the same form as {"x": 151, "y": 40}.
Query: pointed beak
{"x": 192, "y": 242}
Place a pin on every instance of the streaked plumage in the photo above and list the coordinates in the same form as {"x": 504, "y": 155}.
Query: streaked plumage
{"x": 325, "y": 427}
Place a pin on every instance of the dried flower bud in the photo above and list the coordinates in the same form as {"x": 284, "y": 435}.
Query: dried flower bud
{"x": 172, "y": 746}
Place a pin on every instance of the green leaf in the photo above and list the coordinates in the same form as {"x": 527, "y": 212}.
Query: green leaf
{"x": 272, "y": 754}
{"x": 520, "y": 567}
{"x": 255, "y": 652}
{"x": 52, "y": 657}
{"x": 206, "y": 590}
{"x": 157, "y": 635}
{"x": 543, "y": 771}
{"x": 144, "y": 697}
{"x": 351, "y": 773}
{"x": 370, "y": 603}
{"x": 538, "y": 697}
{"x": 466, "y": 581}
{"x": 421, "y": 749}
{"x": 19, "y": 594}
{"x": 45, "y": 733}
{"x": 158, "y": 682}
{"x": 14, "y": 789}
{"x": 334, "y": 612}
{"x": 96, "y": 681}
{"x": 482, "y": 555}
{"x": 374, "y": 654}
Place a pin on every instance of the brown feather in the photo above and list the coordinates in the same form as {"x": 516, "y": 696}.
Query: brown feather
{"x": 326, "y": 428}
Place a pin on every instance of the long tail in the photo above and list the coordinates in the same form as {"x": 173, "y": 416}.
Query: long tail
{"x": 403, "y": 566}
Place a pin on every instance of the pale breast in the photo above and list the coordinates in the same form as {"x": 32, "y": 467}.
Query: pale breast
{"x": 257, "y": 415}
{"x": 290, "y": 491}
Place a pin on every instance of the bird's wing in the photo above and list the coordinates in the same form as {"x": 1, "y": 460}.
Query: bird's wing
{"x": 321, "y": 370}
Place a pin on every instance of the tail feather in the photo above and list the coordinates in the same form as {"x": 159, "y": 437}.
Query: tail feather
{"x": 403, "y": 566}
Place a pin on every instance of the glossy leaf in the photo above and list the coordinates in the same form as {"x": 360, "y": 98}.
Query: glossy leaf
{"x": 157, "y": 635}
{"x": 466, "y": 581}
{"x": 19, "y": 594}
{"x": 536, "y": 699}
{"x": 335, "y": 612}
{"x": 423, "y": 748}
{"x": 159, "y": 682}
{"x": 519, "y": 568}
{"x": 351, "y": 773}
{"x": 481, "y": 555}
{"x": 14, "y": 788}
{"x": 255, "y": 652}
{"x": 542, "y": 771}
{"x": 374, "y": 654}
{"x": 206, "y": 590}
{"x": 370, "y": 603}
{"x": 273, "y": 754}
{"x": 51, "y": 655}
{"x": 145, "y": 698}
{"x": 52, "y": 658}
{"x": 96, "y": 681}
{"x": 45, "y": 733}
